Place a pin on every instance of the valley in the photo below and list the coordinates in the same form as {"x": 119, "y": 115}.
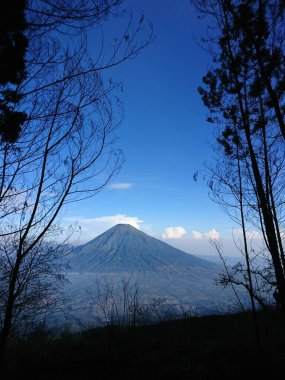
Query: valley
{"x": 156, "y": 271}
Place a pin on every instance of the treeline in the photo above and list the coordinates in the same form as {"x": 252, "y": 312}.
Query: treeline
{"x": 213, "y": 347}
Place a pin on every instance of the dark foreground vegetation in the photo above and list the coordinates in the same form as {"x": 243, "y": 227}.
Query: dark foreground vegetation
{"x": 212, "y": 347}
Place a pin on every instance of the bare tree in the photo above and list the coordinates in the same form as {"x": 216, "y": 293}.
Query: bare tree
{"x": 226, "y": 274}
{"x": 116, "y": 303}
{"x": 120, "y": 304}
{"x": 247, "y": 114}
{"x": 66, "y": 149}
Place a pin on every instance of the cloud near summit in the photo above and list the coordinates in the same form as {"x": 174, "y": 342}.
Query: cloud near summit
{"x": 213, "y": 234}
{"x": 179, "y": 232}
{"x": 174, "y": 232}
{"x": 92, "y": 227}
{"x": 120, "y": 219}
{"x": 197, "y": 235}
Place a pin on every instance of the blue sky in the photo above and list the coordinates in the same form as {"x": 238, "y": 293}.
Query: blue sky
{"x": 164, "y": 137}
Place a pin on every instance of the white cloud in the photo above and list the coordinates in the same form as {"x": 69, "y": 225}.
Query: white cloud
{"x": 92, "y": 227}
{"x": 121, "y": 185}
{"x": 112, "y": 220}
{"x": 251, "y": 235}
{"x": 174, "y": 232}
{"x": 197, "y": 235}
{"x": 212, "y": 234}
{"x": 179, "y": 232}
{"x": 120, "y": 219}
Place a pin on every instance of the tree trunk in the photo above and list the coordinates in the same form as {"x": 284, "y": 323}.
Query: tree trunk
{"x": 268, "y": 222}
{"x": 7, "y": 324}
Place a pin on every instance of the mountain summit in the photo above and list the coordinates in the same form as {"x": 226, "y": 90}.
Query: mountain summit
{"x": 124, "y": 248}
{"x": 160, "y": 271}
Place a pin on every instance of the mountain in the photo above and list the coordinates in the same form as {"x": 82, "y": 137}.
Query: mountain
{"x": 124, "y": 248}
{"x": 123, "y": 253}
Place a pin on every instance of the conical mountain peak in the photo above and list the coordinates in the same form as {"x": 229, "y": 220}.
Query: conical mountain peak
{"x": 124, "y": 248}
{"x": 123, "y": 227}
{"x": 160, "y": 270}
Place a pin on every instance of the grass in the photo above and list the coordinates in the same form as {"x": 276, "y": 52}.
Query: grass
{"x": 212, "y": 347}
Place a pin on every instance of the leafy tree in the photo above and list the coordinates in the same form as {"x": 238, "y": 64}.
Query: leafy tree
{"x": 244, "y": 93}
{"x": 13, "y": 46}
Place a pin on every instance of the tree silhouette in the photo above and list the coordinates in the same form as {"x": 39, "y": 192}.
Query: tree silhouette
{"x": 13, "y": 46}
{"x": 244, "y": 93}
{"x": 66, "y": 150}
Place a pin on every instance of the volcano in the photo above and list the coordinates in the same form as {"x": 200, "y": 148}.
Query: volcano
{"x": 158, "y": 269}
{"x": 124, "y": 248}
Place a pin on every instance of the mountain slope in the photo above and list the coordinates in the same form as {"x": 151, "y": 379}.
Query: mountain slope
{"x": 125, "y": 248}
{"x": 159, "y": 270}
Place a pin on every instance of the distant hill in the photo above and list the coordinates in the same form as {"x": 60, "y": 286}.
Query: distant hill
{"x": 230, "y": 260}
{"x": 158, "y": 269}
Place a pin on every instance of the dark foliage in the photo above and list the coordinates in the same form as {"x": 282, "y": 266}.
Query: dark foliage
{"x": 245, "y": 94}
{"x": 216, "y": 347}
{"x": 13, "y": 45}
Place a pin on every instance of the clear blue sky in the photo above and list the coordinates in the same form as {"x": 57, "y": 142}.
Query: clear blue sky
{"x": 164, "y": 137}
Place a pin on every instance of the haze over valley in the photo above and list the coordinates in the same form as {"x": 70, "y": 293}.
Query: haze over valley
{"x": 158, "y": 271}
